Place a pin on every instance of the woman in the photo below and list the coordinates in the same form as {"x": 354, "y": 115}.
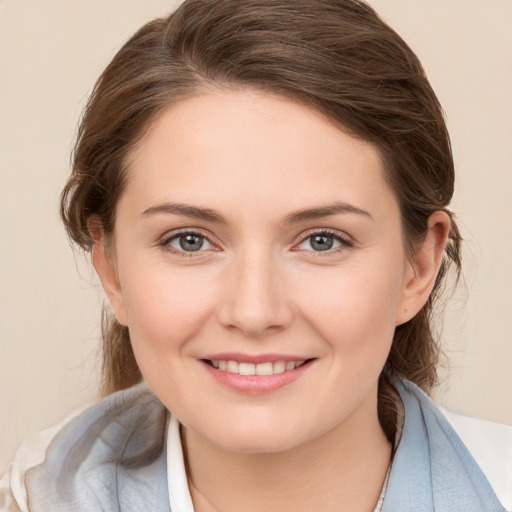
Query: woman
{"x": 264, "y": 189}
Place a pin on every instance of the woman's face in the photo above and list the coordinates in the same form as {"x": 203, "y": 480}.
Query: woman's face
{"x": 255, "y": 237}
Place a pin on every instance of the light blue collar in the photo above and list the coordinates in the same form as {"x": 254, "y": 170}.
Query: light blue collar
{"x": 432, "y": 469}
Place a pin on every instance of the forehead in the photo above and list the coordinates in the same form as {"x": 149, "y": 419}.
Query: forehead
{"x": 227, "y": 148}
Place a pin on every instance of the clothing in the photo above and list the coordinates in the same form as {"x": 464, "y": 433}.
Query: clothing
{"x": 491, "y": 445}
{"x": 113, "y": 457}
{"x": 432, "y": 469}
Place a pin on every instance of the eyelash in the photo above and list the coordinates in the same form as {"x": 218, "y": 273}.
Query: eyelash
{"x": 185, "y": 254}
{"x": 345, "y": 242}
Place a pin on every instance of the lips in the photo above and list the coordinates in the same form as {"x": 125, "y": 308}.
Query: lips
{"x": 256, "y": 374}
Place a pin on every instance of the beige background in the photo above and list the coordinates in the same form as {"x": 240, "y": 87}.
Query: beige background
{"x": 51, "y": 51}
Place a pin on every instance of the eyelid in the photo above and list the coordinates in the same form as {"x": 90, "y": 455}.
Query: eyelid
{"x": 346, "y": 241}
{"x": 165, "y": 240}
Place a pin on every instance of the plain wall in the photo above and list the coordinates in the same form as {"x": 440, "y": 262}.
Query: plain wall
{"x": 51, "y": 52}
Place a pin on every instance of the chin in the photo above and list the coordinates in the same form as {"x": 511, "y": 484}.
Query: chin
{"x": 258, "y": 444}
{"x": 257, "y": 437}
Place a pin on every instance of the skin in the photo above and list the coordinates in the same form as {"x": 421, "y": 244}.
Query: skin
{"x": 259, "y": 286}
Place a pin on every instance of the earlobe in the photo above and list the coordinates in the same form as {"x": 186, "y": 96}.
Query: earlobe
{"x": 423, "y": 268}
{"x": 105, "y": 267}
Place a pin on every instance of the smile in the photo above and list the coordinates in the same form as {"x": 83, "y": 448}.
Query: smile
{"x": 256, "y": 374}
{"x": 265, "y": 368}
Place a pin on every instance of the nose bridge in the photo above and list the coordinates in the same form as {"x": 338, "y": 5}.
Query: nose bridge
{"x": 254, "y": 300}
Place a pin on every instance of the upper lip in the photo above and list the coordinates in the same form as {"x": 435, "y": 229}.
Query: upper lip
{"x": 255, "y": 359}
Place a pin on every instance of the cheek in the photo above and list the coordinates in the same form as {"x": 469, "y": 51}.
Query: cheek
{"x": 165, "y": 308}
{"x": 354, "y": 308}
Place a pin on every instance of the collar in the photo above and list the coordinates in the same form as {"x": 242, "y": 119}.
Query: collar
{"x": 179, "y": 495}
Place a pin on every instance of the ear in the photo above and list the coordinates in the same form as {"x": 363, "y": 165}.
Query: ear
{"x": 103, "y": 259}
{"x": 422, "y": 270}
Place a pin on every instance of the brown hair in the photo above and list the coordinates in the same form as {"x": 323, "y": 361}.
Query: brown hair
{"x": 336, "y": 56}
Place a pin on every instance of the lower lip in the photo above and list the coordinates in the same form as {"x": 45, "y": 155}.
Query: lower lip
{"x": 256, "y": 384}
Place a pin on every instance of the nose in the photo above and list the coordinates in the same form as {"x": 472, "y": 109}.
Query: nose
{"x": 254, "y": 299}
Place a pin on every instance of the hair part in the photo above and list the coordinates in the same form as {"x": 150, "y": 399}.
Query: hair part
{"x": 335, "y": 56}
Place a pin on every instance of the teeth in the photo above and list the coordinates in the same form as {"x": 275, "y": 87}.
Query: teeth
{"x": 256, "y": 369}
{"x": 246, "y": 368}
{"x": 264, "y": 369}
{"x": 232, "y": 367}
{"x": 279, "y": 367}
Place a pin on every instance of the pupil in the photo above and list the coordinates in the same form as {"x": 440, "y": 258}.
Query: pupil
{"x": 191, "y": 242}
{"x": 322, "y": 242}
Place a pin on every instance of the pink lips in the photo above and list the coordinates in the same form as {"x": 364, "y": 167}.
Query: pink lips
{"x": 255, "y": 384}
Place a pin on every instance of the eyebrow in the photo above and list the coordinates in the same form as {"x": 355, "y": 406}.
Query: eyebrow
{"x": 209, "y": 215}
{"x": 325, "y": 211}
{"x": 186, "y": 210}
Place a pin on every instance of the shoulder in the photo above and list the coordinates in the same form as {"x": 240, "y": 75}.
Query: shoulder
{"x": 109, "y": 440}
{"x": 13, "y": 495}
{"x": 490, "y": 444}
{"x": 432, "y": 467}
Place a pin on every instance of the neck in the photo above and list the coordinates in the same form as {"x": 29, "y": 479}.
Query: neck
{"x": 342, "y": 470}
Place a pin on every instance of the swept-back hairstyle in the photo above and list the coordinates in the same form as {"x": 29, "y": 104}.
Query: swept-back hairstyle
{"x": 336, "y": 56}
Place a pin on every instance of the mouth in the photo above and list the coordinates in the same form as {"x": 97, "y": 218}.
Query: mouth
{"x": 264, "y": 368}
{"x": 256, "y": 375}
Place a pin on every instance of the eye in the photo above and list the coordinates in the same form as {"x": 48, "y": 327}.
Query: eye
{"x": 187, "y": 242}
{"x": 323, "y": 241}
